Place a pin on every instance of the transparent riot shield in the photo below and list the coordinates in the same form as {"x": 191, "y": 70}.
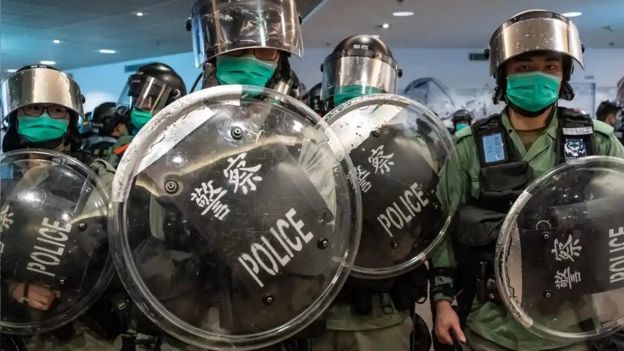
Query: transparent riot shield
{"x": 54, "y": 260}
{"x": 560, "y": 253}
{"x": 237, "y": 223}
{"x": 398, "y": 148}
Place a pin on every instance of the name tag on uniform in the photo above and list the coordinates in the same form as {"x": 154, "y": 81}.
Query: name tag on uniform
{"x": 494, "y": 148}
{"x": 578, "y": 131}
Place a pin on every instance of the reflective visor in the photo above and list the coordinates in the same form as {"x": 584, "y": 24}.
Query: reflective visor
{"x": 548, "y": 32}
{"x": 357, "y": 71}
{"x": 221, "y": 26}
{"x": 145, "y": 93}
{"x": 40, "y": 86}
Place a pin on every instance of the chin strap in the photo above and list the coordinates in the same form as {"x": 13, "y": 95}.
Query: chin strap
{"x": 567, "y": 92}
{"x": 209, "y": 77}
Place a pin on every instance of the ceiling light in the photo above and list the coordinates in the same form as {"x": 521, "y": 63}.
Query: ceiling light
{"x": 385, "y": 26}
{"x": 572, "y": 14}
{"x": 11, "y": 70}
{"x": 139, "y": 14}
{"x": 47, "y": 62}
{"x": 107, "y": 51}
{"x": 56, "y": 41}
{"x": 403, "y": 13}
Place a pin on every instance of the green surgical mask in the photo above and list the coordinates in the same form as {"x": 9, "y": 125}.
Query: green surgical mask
{"x": 41, "y": 129}
{"x": 244, "y": 70}
{"x": 348, "y": 92}
{"x": 460, "y": 126}
{"x": 139, "y": 118}
{"x": 533, "y": 91}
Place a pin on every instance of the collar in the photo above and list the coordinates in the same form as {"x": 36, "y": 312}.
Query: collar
{"x": 551, "y": 131}
{"x": 551, "y": 128}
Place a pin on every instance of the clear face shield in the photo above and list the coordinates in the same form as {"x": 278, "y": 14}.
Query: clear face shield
{"x": 146, "y": 94}
{"x": 221, "y": 26}
{"x": 357, "y": 75}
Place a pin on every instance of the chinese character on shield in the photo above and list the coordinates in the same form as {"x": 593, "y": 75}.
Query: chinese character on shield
{"x": 380, "y": 161}
{"x": 5, "y": 218}
{"x": 241, "y": 176}
{"x": 209, "y": 198}
{"x": 362, "y": 174}
{"x": 568, "y": 250}
{"x": 565, "y": 278}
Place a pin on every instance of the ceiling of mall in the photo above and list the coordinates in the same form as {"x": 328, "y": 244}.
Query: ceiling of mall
{"x": 28, "y": 27}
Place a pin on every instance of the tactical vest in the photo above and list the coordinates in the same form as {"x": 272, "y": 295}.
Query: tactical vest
{"x": 503, "y": 176}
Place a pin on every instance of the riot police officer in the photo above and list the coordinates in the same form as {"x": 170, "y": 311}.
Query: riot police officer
{"x": 532, "y": 59}
{"x": 340, "y": 85}
{"x": 44, "y": 125}
{"x": 235, "y": 43}
{"x": 148, "y": 91}
{"x": 369, "y": 314}
{"x": 107, "y": 125}
{"x": 250, "y": 45}
{"x": 461, "y": 119}
{"x": 42, "y": 106}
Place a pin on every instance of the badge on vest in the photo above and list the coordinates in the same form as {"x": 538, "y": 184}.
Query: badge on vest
{"x": 576, "y": 142}
{"x": 493, "y": 148}
{"x": 574, "y": 148}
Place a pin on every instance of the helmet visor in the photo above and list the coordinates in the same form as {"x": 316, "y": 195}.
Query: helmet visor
{"x": 40, "y": 86}
{"x": 145, "y": 93}
{"x": 357, "y": 71}
{"x": 546, "y": 31}
{"x": 221, "y": 26}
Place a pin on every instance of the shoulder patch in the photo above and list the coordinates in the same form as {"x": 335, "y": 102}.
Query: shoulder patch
{"x": 602, "y": 128}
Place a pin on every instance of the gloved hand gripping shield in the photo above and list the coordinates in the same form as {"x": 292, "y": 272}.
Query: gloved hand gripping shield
{"x": 237, "y": 223}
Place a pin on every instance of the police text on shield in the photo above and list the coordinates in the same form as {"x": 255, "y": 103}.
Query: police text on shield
{"x": 616, "y": 255}
{"x": 266, "y": 258}
{"x": 403, "y": 209}
{"x": 48, "y": 253}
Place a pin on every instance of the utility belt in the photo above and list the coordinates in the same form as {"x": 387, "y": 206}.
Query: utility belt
{"x": 132, "y": 341}
{"x": 363, "y": 302}
{"x": 138, "y": 341}
{"x": 474, "y": 241}
{"x": 400, "y": 293}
